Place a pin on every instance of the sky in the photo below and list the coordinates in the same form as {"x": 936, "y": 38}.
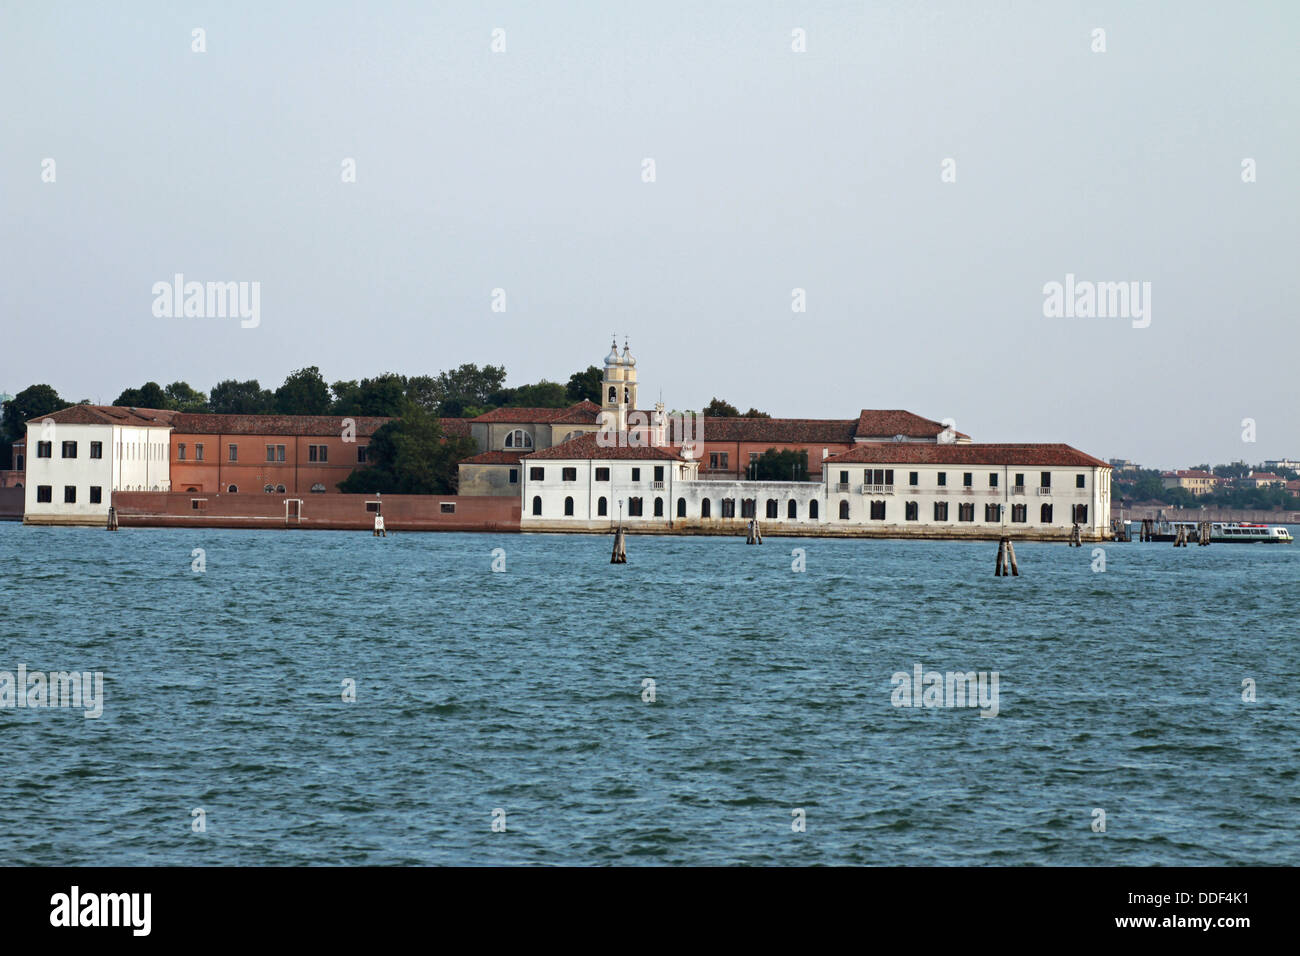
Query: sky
{"x": 775, "y": 170}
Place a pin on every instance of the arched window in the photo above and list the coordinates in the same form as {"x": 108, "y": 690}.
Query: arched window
{"x": 572, "y": 435}
{"x": 613, "y": 395}
{"x": 269, "y": 489}
{"x": 681, "y": 507}
{"x": 844, "y": 511}
{"x": 568, "y": 507}
{"x": 519, "y": 439}
{"x": 233, "y": 489}
{"x": 704, "y": 509}
{"x": 537, "y": 504}
{"x": 318, "y": 488}
{"x": 279, "y": 489}
{"x": 772, "y": 508}
{"x": 792, "y": 509}
{"x": 627, "y": 400}
{"x": 812, "y": 509}
{"x": 659, "y": 507}
{"x": 602, "y": 507}
{"x": 1045, "y": 514}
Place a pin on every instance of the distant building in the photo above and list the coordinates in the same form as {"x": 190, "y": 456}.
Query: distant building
{"x": 1195, "y": 480}
{"x": 1277, "y": 464}
{"x": 1123, "y": 465}
{"x": 1261, "y": 479}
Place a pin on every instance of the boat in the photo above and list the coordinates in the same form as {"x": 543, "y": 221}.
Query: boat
{"x": 1225, "y": 532}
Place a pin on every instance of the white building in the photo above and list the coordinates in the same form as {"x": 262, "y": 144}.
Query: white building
{"x": 78, "y": 456}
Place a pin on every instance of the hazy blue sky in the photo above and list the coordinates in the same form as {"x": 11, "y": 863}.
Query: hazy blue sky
{"x": 775, "y": 170}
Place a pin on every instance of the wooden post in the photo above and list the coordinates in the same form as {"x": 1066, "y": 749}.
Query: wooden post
{"x": 112, "y": 518}
{"x": 1011, "y": 553}
{"x": 620, "y": 548}
{"x": 1006, "y": 560}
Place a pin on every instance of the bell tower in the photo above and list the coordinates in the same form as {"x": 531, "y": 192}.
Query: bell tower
{"x": 613, "y": 404}
{"x": 629, "y": 378}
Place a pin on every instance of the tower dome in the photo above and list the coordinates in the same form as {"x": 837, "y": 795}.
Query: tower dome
{"x": 628, "y": 360}
{"x": 612, "y": 358}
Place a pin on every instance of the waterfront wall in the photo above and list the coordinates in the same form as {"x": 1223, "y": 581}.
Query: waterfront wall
{"x": 11, "y": 504}
{"x": 1254, "y": 516}
{"x": 321, "y": 512}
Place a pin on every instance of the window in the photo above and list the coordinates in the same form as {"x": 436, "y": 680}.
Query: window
{"x": 844, "y": 511}
{"x": 681, "y": 507}
{"x": 1081, "y": 514}
{"x": 537, "y": 504}
{"x": 568, "y": 474}
{"x": 993, "y": 513}
{"x": 993, "y": 479}
{"x": 268, "y": 488}
{"x": 20, "y": 462}
{"x": 722, "y": 458}
{"x": 372, "y": 507}
{"x": 234, "y": 453}
{"x": 659, "y": 507}
{"x": 613, "y": 395}
{"x": 728, "y": 507}
{"x": 877, "y": 511}
{"x": 97, "y": 451}
{"x": 659, "y": 472}
{"x": 941, "y": 511}
{"x": 316, "y": 452}
{"x": 943, "y": 479}
{"x": 233, "y": 489}
{"x": 634, "y": 508}
{"x": 1019, "y": 514}
{"x": 69, "y": 449}
{"x": 1047, "y": 479}
{"x": 279, "y": 489}
{"x": 812, "y": 509}
{"x": 568, "y": 507}
{"x": 636, "y": 474}
{"x": 198, "y": 451}
{"x": 519, "y": 439}
{"x": 537, "y": 474}
{"x": 602, "y": 474}
{"x": 966, "y": 511}
{"x": 1080, "y": 481}
{"x": 792, "y": 509}
{"x": 180, "y": 452}
{"x": 967, "y": 480}
{"x": 447, "y": 507}
{"x": 199, "y": 504}
{"x": 602, "y": 507}
{"x": 878, "y": 476}
{"x": 317, "y": 489}
{"x": 913, "y": 478}
{"x": 1020, "y": 479}
{"x": 1045, "y": 514}
{"x": 773, "y": 509}
{"x": 43, "y": 449}
{"x": 69, "y": 494}
{"x": 844, "y": 477}
{"x": 43, "y": 493}
{"x": 96, "y": 494}
{"x": 713, "y": 459}
{"x": 911, "y": 511}
{"x": 705, "y": 509}
{"x": 748, "y": 508}
{"x": 514, "y": 476}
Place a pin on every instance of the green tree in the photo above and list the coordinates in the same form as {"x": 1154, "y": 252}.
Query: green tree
{"x": 585, "y": 384}
{"x": 717, "y": 408}
{"x": 383, "y": 396}
{"x": 467, "y": 391}
{"x": 755, "y": 413}
{"x": 148, "y": 395}
{"x": 241, "y": 398}
{"x": 304, "y": 392}
{"x": 542, "y": 394}
{"x": 345, "y": 395}
{"x": 411, "y": 455}
{"x": 183, "y": 398}
{"x": 786, "y": 464}
{"x": 32, "y": 402}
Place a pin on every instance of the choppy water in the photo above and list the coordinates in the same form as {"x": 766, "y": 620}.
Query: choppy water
{"x": 523, "y": 690}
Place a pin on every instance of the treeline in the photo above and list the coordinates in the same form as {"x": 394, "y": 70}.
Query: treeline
{"x": 1147, "y": 485}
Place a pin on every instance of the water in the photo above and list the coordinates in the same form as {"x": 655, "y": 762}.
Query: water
{"x": 522, "y": 691}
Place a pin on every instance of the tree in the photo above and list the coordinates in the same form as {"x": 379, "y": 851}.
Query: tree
{"x": 543, "y": 394}
{"x": 786, "y": 464}
{"x": 585, "y": 385}
{"x": 467, "y": 391}
{"x": 411, "y": 455}
{"x": 755, "y": 413}
{"x": 383, "y": 396}
{"x": 183, "y": 398}
{"x": 345, "y": 396}
{"x": 241, "y": 398}
{"x": 148, "y": 395}
{"x": 717, "y": 408}
{"x": 304, "y": 392}
{"x": 32, "y": 402}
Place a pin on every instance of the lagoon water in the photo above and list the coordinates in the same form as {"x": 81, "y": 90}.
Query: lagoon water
{"x": 523, "y": 691}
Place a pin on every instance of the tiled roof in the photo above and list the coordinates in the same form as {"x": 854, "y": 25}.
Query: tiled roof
{"x": 1265, "y": 476}
{"x": 455, "y": 426}
{"x": 1194, "y": 473}
{"x": 583, "y": 412}
{"x": 588, "y": 447}
{"x": 196, "y": 423}
{"x": 886, "y": 423}
{"x": 915, "y": 453}
{"x": 774, "y": 429}
{"x": 493, "y": 458}
{"x": 108, "y": 415}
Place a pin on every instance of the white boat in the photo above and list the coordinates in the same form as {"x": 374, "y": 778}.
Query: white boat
{"x": 1226, "y": 532}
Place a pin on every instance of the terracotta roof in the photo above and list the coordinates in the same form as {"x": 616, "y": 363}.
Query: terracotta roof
{"x": 1191, "y": 473}
{"x": 916, "y": 453}
{"x": 493, "y": 458}
{"x": 810, "y": 430}
{"x": 455, "y": 426}
{"x": 1266, "y": 476}
{"x": 108, "y": 415}
{"x": 588, "y": 447}
{"x": 886, "y": 423}
{"x": 583, "y": 411}
{"x": 197, "y": 423}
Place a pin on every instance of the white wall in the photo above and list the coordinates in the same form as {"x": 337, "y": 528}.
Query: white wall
{"x": 133, "y": 459}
